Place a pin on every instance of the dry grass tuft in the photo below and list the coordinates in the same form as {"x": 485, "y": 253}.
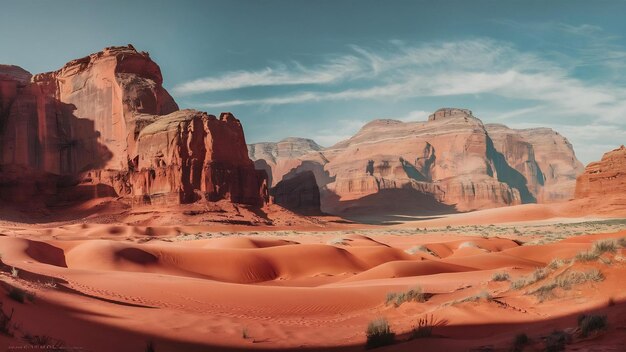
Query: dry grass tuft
{"x": 423, "y": 329}
{"x": 379, "y": 334}
{"x": 415, "y": 294}
{"x": 502, "y": 276}
{"x": 590, "y": 323}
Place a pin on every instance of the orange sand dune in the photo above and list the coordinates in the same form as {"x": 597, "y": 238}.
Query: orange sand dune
{"x": 574, "y": 209}
{"x": 286, "y": 293}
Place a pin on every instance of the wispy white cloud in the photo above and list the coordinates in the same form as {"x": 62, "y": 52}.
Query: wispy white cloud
{"x": 336, "y": 69}
{"x": 476, "y": 67}
{"x": 462, "y": 68}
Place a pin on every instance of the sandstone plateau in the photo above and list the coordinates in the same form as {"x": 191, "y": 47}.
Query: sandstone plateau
{"x": 452, "y": 162}
{"x": 104, "y": 126}
{"x": 605, "y": 178}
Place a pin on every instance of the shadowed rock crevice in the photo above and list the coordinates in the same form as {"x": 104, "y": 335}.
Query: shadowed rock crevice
{"x": 505, "y": 173}
{"x": 298, "y": 192}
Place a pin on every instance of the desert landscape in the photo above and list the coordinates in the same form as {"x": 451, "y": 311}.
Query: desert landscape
{"x": 129, "y": 222}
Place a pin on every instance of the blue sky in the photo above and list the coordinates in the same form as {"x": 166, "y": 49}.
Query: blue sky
{"x": 321, "y": 69}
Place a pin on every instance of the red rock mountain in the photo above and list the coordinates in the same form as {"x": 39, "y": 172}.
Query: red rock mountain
{"x": 450, "y": 162}
{"x": 104, "y": 125}
{"x": 278, "y": 158}
{"x": 544, "y": 157}
{"x": 605, "y": 178}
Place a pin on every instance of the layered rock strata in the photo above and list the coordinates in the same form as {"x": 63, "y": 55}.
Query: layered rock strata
{"x": 105, "y": 123}
{"x": 605, "y": 178}
{"x": 452, "y": 161}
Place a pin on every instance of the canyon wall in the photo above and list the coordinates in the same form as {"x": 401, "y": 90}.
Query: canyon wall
{"x": 452, "y": 162}
{"x": 605, "y": 178}
{"x": 104, "y": 122}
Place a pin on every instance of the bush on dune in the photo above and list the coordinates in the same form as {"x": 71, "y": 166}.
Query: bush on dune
{"x": 566, "y": 281}
{"x": 379, "y": 334}
{"x": 502, "y": 276}
{"x": 604, "y": 246}
{"x": 556, "y": 341}
{"x": 415, "y": 294}
{"x": 423, "y": 329}
{"x": 590, "y": 323}
{"x": 5, "y": 321}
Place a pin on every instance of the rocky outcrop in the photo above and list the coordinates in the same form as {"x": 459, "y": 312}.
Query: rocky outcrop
{"x": 605, "y": 178}
{"x": 299, "y": 193}
{"x": 106, "y": 121}
{"x": 294, "y": 182}
{"x": 279, "y": 158}
{"x": 452, "y": 161}
{"x": 544, "y": 157}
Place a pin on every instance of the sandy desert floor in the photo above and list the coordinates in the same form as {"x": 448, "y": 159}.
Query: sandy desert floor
{"x": 477, "y": 284}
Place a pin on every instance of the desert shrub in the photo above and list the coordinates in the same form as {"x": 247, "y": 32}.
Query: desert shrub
{"x": 415, "y": 294}
{"x": 556, "y": 263}
{"x": 339, "y": 241}
{"x": 571, "y": 278}
{"x": 604, "y": 246}
{"x": 44, "y": 342}
{"x": 590, "y": 323}
{"x": 502, "y": 276}
{"x": 620, "y": 242}
{"x": 544, "y": 292}
{"x": 5, "y": 321}
{"x": 518, "y": 284}
{"x": 587, "y": 256}
{"x": 540, "y": 274}
{"x": 556, "y": 341}
{"x": 379, "y": 334}
{"x": 565, "y": 281}
{"x": 520, "y": 341}
{"x": 537, "y": 275}
{"x": 475, "y": 298}
{"x": 423, "y": 329}
{"x": 17, "y": 294}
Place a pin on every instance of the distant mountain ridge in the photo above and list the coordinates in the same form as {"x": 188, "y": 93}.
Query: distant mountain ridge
{"x": 451, "y": 162}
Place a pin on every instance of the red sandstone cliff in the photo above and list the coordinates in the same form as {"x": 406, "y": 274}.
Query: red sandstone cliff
{"x": 106, "y": 121}
{"x": 544, "y": 157}
{"x": 605, "y": 178}
{"x": 450, "y": 162}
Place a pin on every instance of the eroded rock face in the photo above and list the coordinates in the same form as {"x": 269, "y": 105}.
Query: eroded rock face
{"x": 279, "y": 158}
{"x": 299, "y": 193}
{"x": 544, "y": 157}
{"x": 450, "y": 162}
{"x": 106, "y": 120}
{"x": 604, "y": 178}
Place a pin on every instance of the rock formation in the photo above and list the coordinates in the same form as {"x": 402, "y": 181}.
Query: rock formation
{"x": 450, "y": 162}
{"x": 544, "y": 157}
{"x": 605, "y": 178}
{"x": 299, "y": 193}
{"x": 280, "y": 157}
{"x": 105, "y": 123}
